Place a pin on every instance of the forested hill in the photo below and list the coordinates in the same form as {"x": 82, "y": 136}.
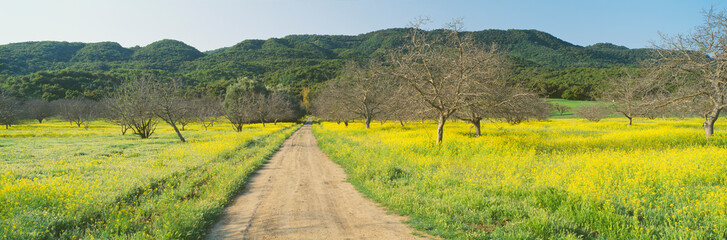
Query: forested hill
{"x": 295, "y": 60}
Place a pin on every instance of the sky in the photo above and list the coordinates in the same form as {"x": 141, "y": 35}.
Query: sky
{"x": 213, "y": 24}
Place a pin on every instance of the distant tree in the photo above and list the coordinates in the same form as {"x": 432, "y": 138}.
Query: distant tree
{"x": 38, "y": 109}
{"x": 305, "y": 98}
{"x": 593, "y": 113}
{"x": 207, "y": 110}
{"x": 560, "y": 108}
{"x": 9, "y": 110}
{"x": 328, "y": 105}
{"x": 282, "y": 107}
{"x": 132, "y": 106}
{"x": 362, "y": 91}
{"x": 167, "y": 97}
{"x": 501, "y": 102}
{"x": 78, "y": 111}
{"x": 633, "y": 95}
{"x": 242, "y": 100}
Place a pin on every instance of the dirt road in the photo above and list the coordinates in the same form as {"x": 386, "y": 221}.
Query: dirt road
{"x": 301, "y": 194}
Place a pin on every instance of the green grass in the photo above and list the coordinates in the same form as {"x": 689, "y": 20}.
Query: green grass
{"x": 63, "y": 182}
{"x": 571, "y": 104}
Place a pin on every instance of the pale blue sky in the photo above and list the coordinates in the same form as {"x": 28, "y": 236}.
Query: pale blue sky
{"x": 213, "y": 24}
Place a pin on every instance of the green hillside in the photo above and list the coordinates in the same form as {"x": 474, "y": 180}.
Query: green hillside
{"x": 559, "y": 68}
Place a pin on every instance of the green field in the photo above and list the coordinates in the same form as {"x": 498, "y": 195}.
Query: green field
{"x": 571, "y": 104}
{"x": 558, "y": 179}
{"x": 59, "y": 181}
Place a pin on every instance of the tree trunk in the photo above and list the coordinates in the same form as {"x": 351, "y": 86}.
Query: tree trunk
{"x": 263, "y": 122}
{"x": 7, "y": 126}
{"x": 40, "y": 120}
{"x": 631, "y": 120}
{"x": 345, "y": 123}
{"x": 177, "y": 131}
{"x": 440, "y": 129}
{"x": 709, "y": 124}
{"x": 238, "y": 127}
{"x": 368, "y": 122}
{"x": 476, "y": 122}
{"x": 276, "y": 122}
{"x": 401, "y": 122}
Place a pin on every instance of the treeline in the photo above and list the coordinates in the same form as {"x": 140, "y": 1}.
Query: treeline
{"x": 431, "y": 78}
{"x": 296, "y": 61}
{"x": 139, "y": 104}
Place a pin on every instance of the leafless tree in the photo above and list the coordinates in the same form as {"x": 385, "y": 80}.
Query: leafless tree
{"x": 132, "y": 106}
{"x": 169, "y": 104}
{"x": 242, "y": 100}
{"x": 701, "y": 61}
{"x": 503, "y": 101}
{"x": 593, "y": 113}
{"x": 403, "y": 106}
{"x": 447, "y": 73}
{"x": 282, "y": 107}
{"x": 78, "y": 111}
{"x": 362, "y": 91}
{"x": 207, "y": 110}
{"x": 38, "y": 109}
{"x": 634, "y": 94}
{"x": 9, "y": 110}
{"x": 260, "y": 108}
{"x": 327, "y": 104}
{"x": 110, "y": 113}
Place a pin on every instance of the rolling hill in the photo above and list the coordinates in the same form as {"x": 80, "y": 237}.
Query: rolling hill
{"x": 298, "y": 61}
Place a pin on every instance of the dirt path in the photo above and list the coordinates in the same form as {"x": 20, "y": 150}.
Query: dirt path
{"x": 301, "y": 194}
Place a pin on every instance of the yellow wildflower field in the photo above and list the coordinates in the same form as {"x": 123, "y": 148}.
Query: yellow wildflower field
{"x": 61, "y": 181}
{"x": 563, "y": 178}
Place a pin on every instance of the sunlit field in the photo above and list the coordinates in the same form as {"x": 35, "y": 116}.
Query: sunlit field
{"x": 564, "y": 178}
{"x": 61, "y": 181}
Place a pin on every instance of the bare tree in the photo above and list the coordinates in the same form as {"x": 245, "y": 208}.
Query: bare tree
{"x": 503, "y": 101}
{"x": 446, "y": 73}
{"x": 327, "y": 104}
{"x": 242, "y": 100}
{"x": 593, "y": 113}
{"x": 9, "y": 110}
{"x": 109, "y": 111}
{"x": 78, "y": 111}
{"x": 403, "y": 106}
{"x": 38, "y": 109}
{"x": 282, "y": 107}
{"x": 132, "y": 106}
{"x": 362, "y": 91}
{"x": 169, "y": 103}
{"x": 207, "y": 110}
{"x": 633, "y": 94}
{"x": 701, "y": 58}
{"x": 260, "y": 108}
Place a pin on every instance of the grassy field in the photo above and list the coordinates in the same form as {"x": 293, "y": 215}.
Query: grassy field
{"x": 571, "y": 104}
{"x": 58, "y": 181}
{"x": 562, "y": 179}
